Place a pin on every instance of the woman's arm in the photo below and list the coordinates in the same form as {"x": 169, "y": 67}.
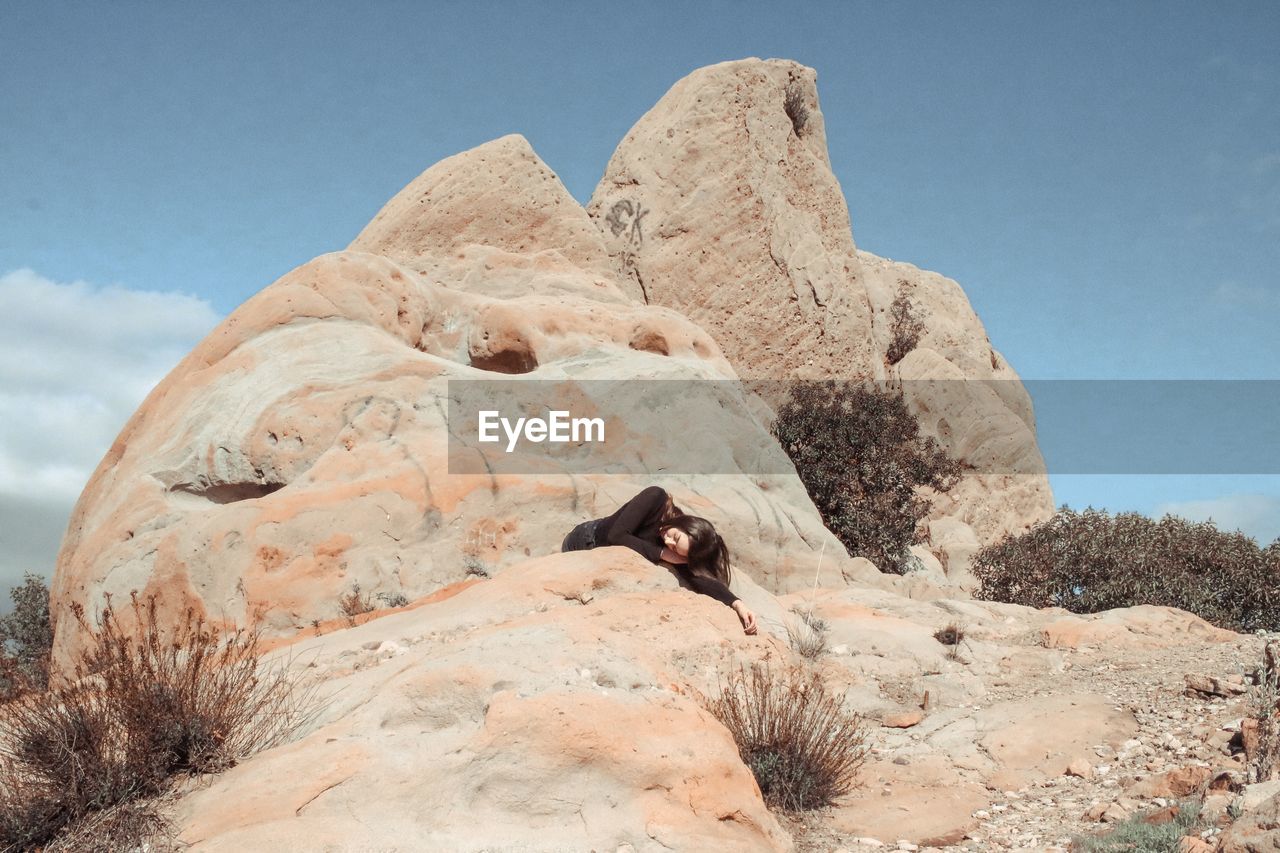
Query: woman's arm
{"x": 632, "y": 517}
{"x": 720, "y": 592}
{"x": 711, "y": 587}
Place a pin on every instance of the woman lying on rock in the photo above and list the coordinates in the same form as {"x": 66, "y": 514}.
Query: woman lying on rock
{"x": 653, "y": 525}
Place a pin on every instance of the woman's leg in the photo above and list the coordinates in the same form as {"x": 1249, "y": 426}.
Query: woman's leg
{"x": 580, "y": 538}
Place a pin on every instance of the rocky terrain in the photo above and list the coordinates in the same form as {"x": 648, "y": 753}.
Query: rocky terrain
{"x": 553, "y": 707}
{"x": 524, "y": 699}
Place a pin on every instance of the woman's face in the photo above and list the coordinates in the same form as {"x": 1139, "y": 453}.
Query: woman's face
{"x": 677, "y": 540}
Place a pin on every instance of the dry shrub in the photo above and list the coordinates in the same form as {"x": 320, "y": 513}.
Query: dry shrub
{"x": 1090, "y": 561}
{"x": 134, "y": 825}
{"x": 393, "y": 599}
{"x": 952, "y": 636}
{"x": 1263, "y": 749}
{"x": 905, "y": 325}
{"x": 801, "y": 744}
{"x": 859, "y": 452}
{"x": 354, "y": 604}
{"x": 142, "y": 707}
{"x": 793, "y": 105}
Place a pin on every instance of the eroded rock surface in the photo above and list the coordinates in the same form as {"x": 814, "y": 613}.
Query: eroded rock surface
{"x": 721, "y": 203}
{"x": 555, "y": 707}
{"x": 304, "y": 445}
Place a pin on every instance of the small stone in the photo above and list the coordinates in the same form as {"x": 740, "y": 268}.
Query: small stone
{"x": 1165, "y": 815}
{"x": 1256, "y": 794}
{"x": 902, "y": 719}
{"x": 1081, "y": 768}
{"x": 1115, "y": 813}
{"x": 392, "y": 649}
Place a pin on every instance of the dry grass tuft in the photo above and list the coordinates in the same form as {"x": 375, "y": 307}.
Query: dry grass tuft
{"x": 354, "y": 604}
{"x": 809, "y": 636}
{"x": 952, "y": 635}
{"x": 793, "y": 105}
{"x": 801, "y": 744}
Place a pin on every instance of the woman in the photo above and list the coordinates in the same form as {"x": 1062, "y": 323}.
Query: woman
{"x": 651, "y": 524}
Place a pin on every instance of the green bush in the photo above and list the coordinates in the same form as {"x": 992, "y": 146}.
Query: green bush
{"x": 1136, "y": 835}
{"x": 26, "y": 637}
{"x": 859, "y": 453}
{"x": 1090, "y": 561}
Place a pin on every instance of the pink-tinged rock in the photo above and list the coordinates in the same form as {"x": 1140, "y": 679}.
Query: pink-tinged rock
{"x": 486, "y": 733}
{"x": 1081, "y": 768}
{"x": 1032, "y": 739}
{"x": 500, "y": 196}
{"x": 902, "y": 719}
{"x": 1191, "y": 844}
{"x": 1144, "y": 626}
{"x": 925, "y": 802}
{"x": 1172, "y": 784}
{"x": 303, "y": 446}
{"x": 1254, "y": 832}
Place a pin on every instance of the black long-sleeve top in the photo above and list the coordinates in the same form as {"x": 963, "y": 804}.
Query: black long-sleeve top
{"x": 636, "y": 524}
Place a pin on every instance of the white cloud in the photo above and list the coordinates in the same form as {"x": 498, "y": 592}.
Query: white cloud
{"x": 1266, "y": 163}
{"x": 75, "y": 362}
{"x": 1254, "y": 295}
{"x": 1255, "y": 515}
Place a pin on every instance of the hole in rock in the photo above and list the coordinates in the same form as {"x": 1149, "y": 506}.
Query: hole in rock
{"x": 226, "y": 493}
{"x": 509, "y": 360}
{"x": 649, "y": 340}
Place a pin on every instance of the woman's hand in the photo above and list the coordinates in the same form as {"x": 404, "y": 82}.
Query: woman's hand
{"x": 746, "y": 616}
{"x": 669, "y": 556}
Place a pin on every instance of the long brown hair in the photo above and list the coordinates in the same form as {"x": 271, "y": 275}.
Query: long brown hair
{"x": 708, "y": 555}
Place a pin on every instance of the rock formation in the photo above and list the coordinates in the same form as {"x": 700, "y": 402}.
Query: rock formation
{"x": 720, "y": 202}
{"x": 527, "y": 699}
{"x": 554, "y": 707}
{"x": 303, "y": 446}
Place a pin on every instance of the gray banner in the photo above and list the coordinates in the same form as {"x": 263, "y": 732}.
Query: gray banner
{"x": 597, "y": 426}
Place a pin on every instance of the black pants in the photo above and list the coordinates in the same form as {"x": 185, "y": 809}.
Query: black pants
{"x": 582, "y": 537}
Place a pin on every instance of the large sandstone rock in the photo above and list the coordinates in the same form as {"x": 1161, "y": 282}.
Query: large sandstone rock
{"x": 721, "y": 203}
{"x": 545, "y": 709}
{"x": 303, "y": 446}
{"x": 555, "y": 706}
{"x": 533, "y": 700}
{"x": 713, "y": 205}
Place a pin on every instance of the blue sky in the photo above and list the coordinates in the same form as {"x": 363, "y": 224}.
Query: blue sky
{"x": 1103, "y": 179}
